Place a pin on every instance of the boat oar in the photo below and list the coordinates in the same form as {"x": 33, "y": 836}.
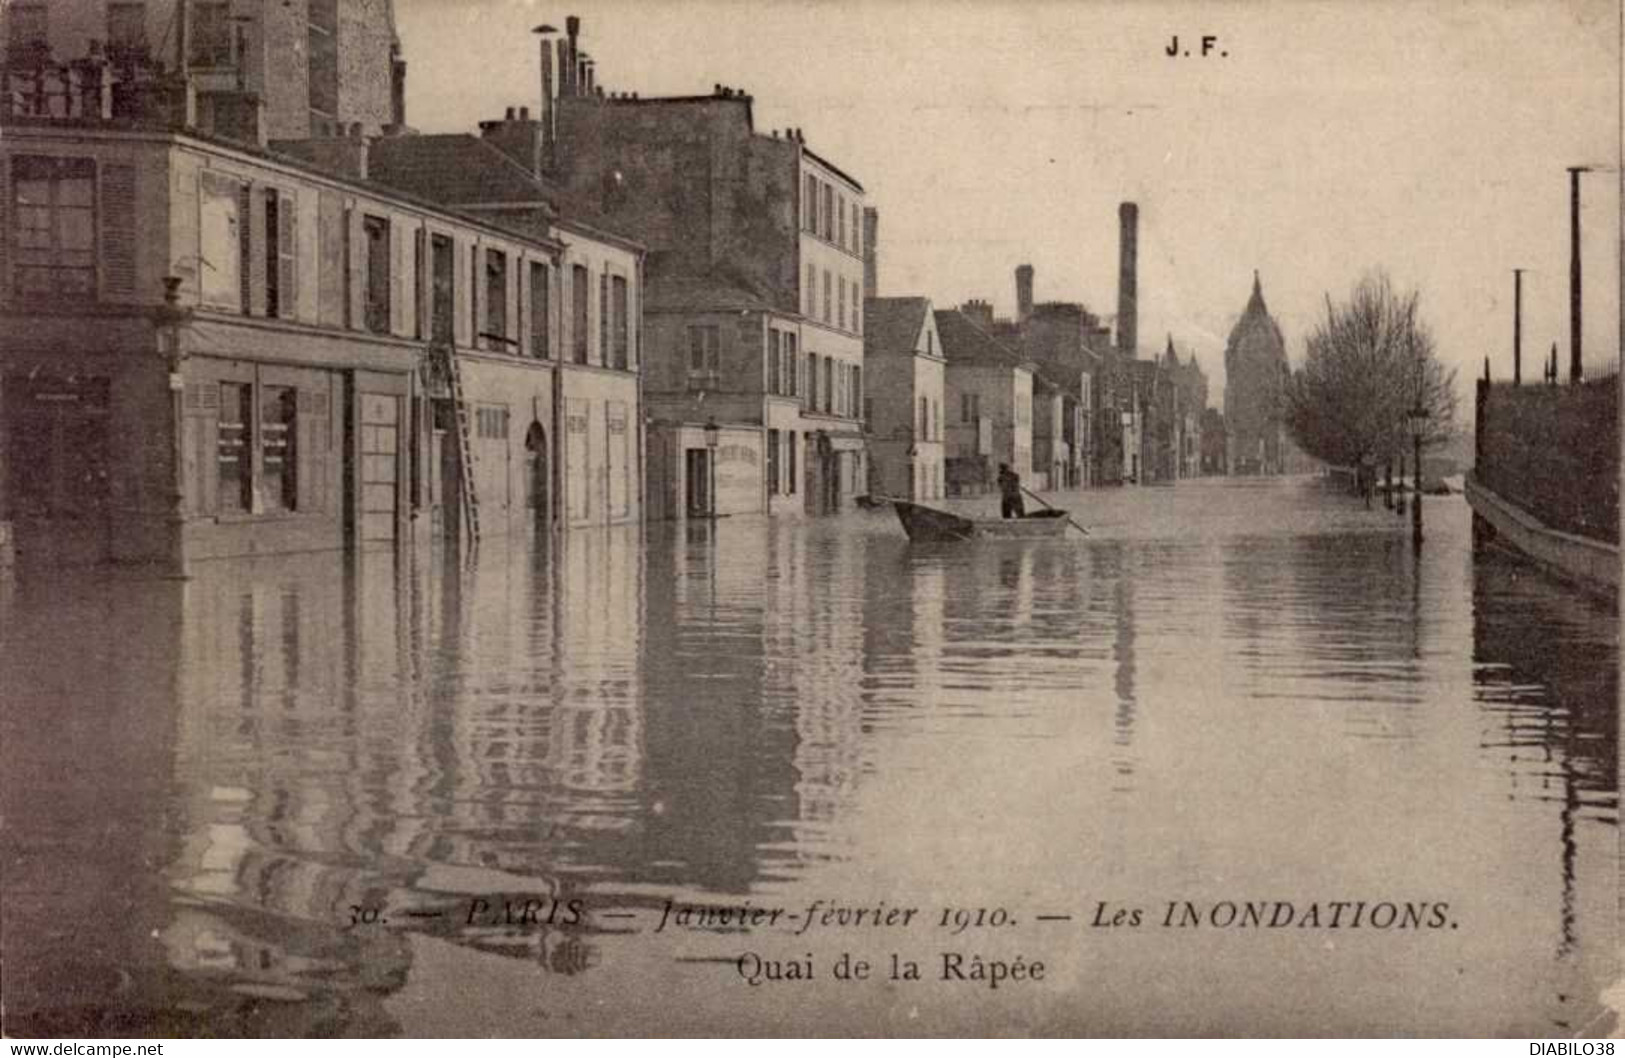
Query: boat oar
{"x": 1070, "y": 520}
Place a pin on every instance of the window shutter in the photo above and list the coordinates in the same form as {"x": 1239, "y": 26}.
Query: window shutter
{"x": 305, "y": 425}
{"x": 255, "y": 267}
{"x": 118, "y": 234}
{"x": 397, "y": 277}
{"x": 331, "y": 274}
{"x": 5, "y": 228}
{"x": 356, "y": 286}
{"x": 287, "y": 244}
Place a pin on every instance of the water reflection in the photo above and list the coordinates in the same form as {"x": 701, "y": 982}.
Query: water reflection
{"x": 239, "y": 766}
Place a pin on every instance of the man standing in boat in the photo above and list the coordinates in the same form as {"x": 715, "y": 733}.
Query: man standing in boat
{"x": 1010, "y": 503}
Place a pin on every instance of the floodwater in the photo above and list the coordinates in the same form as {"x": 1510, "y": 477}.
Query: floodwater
{"x": 291, "y": 796}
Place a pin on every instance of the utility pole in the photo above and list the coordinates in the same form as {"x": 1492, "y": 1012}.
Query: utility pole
{"x": 1517, "y": 326}
{"x": 1576, "y": 372}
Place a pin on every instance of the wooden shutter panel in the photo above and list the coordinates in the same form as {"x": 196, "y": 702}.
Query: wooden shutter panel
{"x": 5, "y": 228}
{"x": 118, "y": 234}
{"x": 397, "y": 277}
{"x": 356, "y": 280}
{"x": 330, "y": 233}
{"x": 255, "y": 268}
{"x": 304, "y": 461}
{"x": 287, "y": 246}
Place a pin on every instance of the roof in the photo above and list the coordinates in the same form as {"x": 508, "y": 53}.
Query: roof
{"x": 456, "y": 168}
{"x": 1257, "y": 316}
{"x": 963, "y": 342}
{"x": 892, "y": 325}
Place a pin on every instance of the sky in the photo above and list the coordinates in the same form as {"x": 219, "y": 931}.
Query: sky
{"x": 1426, "y": 139}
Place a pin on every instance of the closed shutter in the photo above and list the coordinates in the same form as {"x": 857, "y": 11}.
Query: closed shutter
{"x": 118, "y": 233}
{"x": 356, "y": 290}
{"x": 258, "y": 267}
{"x": 305, "y": 426}
{"x": 200, "y": 450}
{"x": 287, "y": 248}
{"x": 330, "y": 228}
{"x": 5, "y": 228}
{"x": 248, "y": 266}
{"x": 397, "y": 276}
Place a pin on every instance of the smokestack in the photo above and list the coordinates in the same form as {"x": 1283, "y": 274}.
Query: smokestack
{"x": 545, "y": 114}
{"x": 572, "y": 30}
{"x": 1024, "y": 293}
{"x": 871, "y": 226}
{"x": 564, "y": 68}
{"x": 1128, "y": 217}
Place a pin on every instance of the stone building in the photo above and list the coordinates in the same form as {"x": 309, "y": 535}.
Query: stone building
{"x": 755, "y": 276}
{"x": 1255, "y": 366}
{"x": 990, "y": 405}
{"x": 257, "y": 70}
{"x": 904, "y": 409}
{"x": 211, "y": 348}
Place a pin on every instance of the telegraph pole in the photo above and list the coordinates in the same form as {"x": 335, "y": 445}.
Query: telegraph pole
{"x": 1576, "y": 372}
{"x": 1517, "y": 326}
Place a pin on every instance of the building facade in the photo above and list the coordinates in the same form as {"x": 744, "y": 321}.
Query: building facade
{"x": 905, "y": 406}
{"x": 1255, "y": 367}
{"x": 755, "y": 282}
{"x": 989, "y": 390}
{"x": 212, "y": 349}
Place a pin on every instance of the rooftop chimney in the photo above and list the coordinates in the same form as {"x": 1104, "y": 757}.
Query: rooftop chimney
{"x": 1024, "y": 293}
{"x": 871, "y": 225}
{"x": 572, "y": 71}
{"x": 1128, "y": 216}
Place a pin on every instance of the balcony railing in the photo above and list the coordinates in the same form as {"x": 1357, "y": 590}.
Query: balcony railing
{"x": 133, "y": 89}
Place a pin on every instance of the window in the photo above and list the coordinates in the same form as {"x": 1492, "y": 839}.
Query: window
{"x": 812, "y": 381}
{"x": 790, "y": 460}
{"x": 280, "y": 293}
{"x": 55, "y": 208}
{"x": 126, "y": 29}
{"x": 444, "y": 291}
{"x": 221, "y": 237}
{"x": 279, "y": 456}
{"x": 540, "y": 312}
{"x": 841, "y": 210}
{"x": 829, "y": 213}
{"x": 811, "y": 300}
{"x": 841, "y": 312}
{"x": 232, "y": 456}
{"x": 809, "y": 204}
{"x": 828, "y": 297}
{"x": 936, "y": 421}
{"x": 419, "y": 284}
{"x": 474, "y": 287}
{"x": 775, "y": 370}
{"x": 376, "y": 232}
{"x": 773, "y": 462}
{"x": 211, "y": 34}
{"x": 857, "y": 387}
{"x": 28, "y": 29}
{"x": 970, "y": 407}
{"x": 868, "y": 410}
{"x": 829, "y": 385}
{"x": 322, "y": 89}
{"x": 496, "y": 298}
{"x": 857, "y": 300}
{"x": 621, "y": 311}
{"x": 930, "y": 342}
{"x": 857, "y": 230}
{"x": 792, "y": 366}
{"x": 603, "y": 319}
{"x": 578, "y": 313}
{"x": 704, "y": 349}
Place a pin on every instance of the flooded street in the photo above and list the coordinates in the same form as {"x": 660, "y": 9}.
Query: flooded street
{"x": 291, "y": 796}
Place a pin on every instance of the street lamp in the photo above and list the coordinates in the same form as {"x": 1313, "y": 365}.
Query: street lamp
{"x": 1417, "y": 420}
{"x": 713, "y": 434}
{"x": 169, "y": 320}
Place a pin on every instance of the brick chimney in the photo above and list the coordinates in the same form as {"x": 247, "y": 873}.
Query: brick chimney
{"x": 1024, "y": 293}
{"x": 1128, "y": 217}
{"x": 871, "y": 227}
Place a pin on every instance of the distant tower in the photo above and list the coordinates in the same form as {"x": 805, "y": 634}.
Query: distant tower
{"x": 1024, "y": 293}
{"x": 1128, "y": 218}
{"x": 1254, "y": 361}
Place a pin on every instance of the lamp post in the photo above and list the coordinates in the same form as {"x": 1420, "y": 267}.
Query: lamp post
{"x": 168, "y": 320}
{"x": 713, "y": 434}
{"x": 1417, "y": 420}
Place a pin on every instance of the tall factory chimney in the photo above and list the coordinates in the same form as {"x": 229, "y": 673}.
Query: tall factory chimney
{"x": 1128, "y": 218}
{"x": 871, "y": 228}
{"x": 572, "y": 76}
{"x": 1024, "y": 293}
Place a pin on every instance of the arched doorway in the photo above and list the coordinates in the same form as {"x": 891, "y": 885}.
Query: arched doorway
{"x": 538, "y": 483}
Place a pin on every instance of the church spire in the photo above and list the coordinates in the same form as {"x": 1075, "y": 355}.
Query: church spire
{"x": 1256, "y": 302}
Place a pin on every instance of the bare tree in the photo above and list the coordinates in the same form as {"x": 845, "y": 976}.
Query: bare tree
{"x": 1368, "y": 364}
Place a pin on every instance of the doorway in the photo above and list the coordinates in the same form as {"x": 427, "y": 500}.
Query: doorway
{"x": 697, "y": 465}
{"x": 539, "y": 487}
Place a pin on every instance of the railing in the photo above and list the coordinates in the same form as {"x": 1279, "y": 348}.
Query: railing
{"x": 92, "y": 89}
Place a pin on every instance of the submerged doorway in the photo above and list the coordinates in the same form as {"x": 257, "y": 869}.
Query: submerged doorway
{"x": 539, "y": 486}
{"x": 698, "y": 468}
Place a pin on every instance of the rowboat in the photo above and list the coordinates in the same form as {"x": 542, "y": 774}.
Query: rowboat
{"x": 927, "y": 524}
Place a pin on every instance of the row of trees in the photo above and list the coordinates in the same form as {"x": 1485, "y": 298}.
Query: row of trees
{"x": 1368, "y": 364}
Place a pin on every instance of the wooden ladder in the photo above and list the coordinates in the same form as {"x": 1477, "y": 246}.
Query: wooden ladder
{"x": 468, "y": 496}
